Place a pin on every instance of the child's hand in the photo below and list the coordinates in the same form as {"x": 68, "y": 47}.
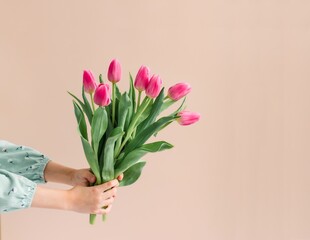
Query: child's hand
{"x": 92, "y": 199}
{"x": 97, "y": 199}
{"x": 120, "y": 177}
{"x": 83, "y": 177}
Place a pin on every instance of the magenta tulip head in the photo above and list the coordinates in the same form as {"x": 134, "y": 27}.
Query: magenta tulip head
{"x": 89, "y": 81}
{"x": 142, "y": 78}
{"x": 188, "y": 118}
{"x": 114, "y": 71}
{"x": 154, "y": 86}
{"x": 178, "y": 91}
{"x": 102, "y": 95}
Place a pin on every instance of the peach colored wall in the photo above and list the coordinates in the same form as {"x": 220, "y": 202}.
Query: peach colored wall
{"x": 241, "y": 173}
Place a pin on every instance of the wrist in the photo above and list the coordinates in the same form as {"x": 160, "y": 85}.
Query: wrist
{"x": 55, "y": 172}
{"x": 70, "y": 176}
{"x": 69, "y": 200}
{"x": 51, "y": 198}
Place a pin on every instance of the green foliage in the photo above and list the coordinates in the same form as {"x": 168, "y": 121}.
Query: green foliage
{"x": 106, "y": 139}
{"x": 112, "y": 149}
{"x": 98, "y": 127}
{"x": 108, "y": 163}
{"x": 144, "y": 135}
{"x": 132, "y": 174}
{"x": 175, "y": 113}
{"x": 82, "y": 105}
{"x": 123, "y": 108}
{"x": 80, "y": 120}
{"x": 91, "y": 158}
{"x": 134, "y": 156}
{"x": 132, "y": 107}
{"x": 146, "y": 112}
{"x": 154, "y": 112}
{"x": 88, "y": 110}
{"x": 88, "y": 150}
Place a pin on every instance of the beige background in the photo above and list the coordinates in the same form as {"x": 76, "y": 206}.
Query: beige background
{"x": 241, "y": 173}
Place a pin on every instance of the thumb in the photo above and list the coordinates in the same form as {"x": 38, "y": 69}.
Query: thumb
{"x": 105, "y": 186}
{"x": 89, "y": 176}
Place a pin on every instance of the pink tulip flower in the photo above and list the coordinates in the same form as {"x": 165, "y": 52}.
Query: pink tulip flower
{"x": 114, "y": 71}
{"x": 142, "y": 78}
{"x": 154, "y": 87}
{"x": 89, "y": 82}
{"x": 102, "y": 95}
{"x": 178, "y": 91}
{"x": 188, "y": 118}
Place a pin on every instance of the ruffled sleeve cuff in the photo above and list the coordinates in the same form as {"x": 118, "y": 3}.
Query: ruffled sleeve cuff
{"x": 24, "y": 161}
{"x": 16, "y": 192}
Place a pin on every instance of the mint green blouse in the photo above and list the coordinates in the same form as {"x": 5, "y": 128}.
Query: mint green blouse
{"x": 21, "y": 169}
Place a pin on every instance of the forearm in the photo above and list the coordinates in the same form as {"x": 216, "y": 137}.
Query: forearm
{"x": 55, "y": 172}
{"x": 50, "y": 198}
{"x": 78, "y": 199}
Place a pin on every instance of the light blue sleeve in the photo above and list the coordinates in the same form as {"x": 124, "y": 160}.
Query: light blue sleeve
{"x": 23, "y": 160}
{"x": 16, "y": 192}
{"x": 21, "y": 168}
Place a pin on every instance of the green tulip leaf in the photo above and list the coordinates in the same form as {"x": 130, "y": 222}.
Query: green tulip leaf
{"x": 167, "y": 124}
{"x": 174, "y": 114}
{"x": 108, "y": 162}
{"x": 98, "y": 127}
{"x": 134, "y": 156}
{"x": 181, "y": 108}
{"x": 117, "y": 92}
{"x": 145, "y": 134}
{"x": 146, "y": 112}
{"x": 80, "y": 120}
{"x": 132, "y": 92}
{"x": 131, "y": 109}
{"x": 103, "y": 141}
{"x": 124, "y": 105}
{"x": 170, "y": 102}
{"x": 88, "y": 151}
{"x": 88, "y": 111}
{"x": 118, "y": 96}
{"x": 91, "y": 158}
{"x": 109, "y": 110}
{"x": 167, "y": 104}
{"x": 77, "y": 99}
{"x": 155, "y": 111}
{"x": 132, "y": 174}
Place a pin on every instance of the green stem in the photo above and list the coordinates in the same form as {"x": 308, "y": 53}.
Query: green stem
{"x": 138, "y": 105}
{"x": 113, "y": 104}
{"x": 92, "y": 101}
{"x": 100, "y": 78}
{"x": 92, "y": 218}
{"x": 139, "y": 100}
{"x": 131, "y": 127}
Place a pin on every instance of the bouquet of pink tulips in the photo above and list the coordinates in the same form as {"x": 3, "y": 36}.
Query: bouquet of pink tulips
{"x": 121, "y": 125}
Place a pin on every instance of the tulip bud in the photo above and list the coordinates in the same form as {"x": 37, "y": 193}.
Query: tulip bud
{"x": 102, "y": 95}
{"x": 178, "y": 91}
{"x": 188, "y": 118}
{"x": 142, "y": 78}
{"x": 154, "y": 87}
{"x": 89, "y": 81}
{"x": 114, "y": 72}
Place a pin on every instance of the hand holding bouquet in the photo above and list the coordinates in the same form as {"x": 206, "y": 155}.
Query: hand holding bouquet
{"x": 121, "y": 124}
